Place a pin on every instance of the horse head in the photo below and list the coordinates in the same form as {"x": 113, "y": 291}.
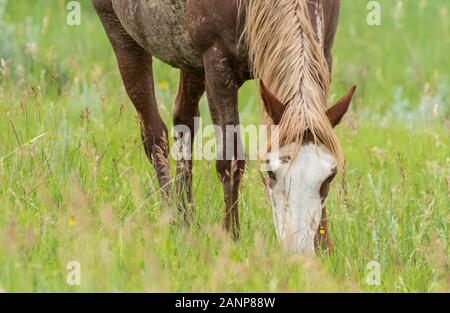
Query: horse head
{"x": 298, "y": 180}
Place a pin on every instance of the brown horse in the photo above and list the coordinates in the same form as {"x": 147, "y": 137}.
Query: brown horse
{"x": 218, "y": 45}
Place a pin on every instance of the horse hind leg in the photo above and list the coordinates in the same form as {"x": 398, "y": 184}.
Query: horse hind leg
{"x": 135, "y": 66}
{"x": 192, "y": 87}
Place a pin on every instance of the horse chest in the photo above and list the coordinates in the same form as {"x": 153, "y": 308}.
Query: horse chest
{"x": 160, "y": 27}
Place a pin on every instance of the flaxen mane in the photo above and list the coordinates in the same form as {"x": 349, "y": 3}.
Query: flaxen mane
{"x": 287, "y": 57}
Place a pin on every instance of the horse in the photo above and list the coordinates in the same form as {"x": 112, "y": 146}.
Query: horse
{"x": 218, "y": 45}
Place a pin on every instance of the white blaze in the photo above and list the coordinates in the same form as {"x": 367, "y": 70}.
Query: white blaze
{"x": 295, "y": 196}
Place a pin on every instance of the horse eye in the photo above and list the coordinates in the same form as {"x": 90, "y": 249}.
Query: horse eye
{"x": 331, "y": 177}
{"x": 272, "y": 175}
{"x": 285, "y": 159}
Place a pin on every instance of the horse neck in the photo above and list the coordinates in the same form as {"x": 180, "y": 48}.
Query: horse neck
{"x": 286, "y": 54}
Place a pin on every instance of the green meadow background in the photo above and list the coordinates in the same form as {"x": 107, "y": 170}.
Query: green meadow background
{"x": 75, "y": 184}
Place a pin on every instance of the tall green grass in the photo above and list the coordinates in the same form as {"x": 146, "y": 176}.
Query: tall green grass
{"x": 75, "y": 183}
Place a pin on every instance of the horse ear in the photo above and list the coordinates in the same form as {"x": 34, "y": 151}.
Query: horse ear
{"x": 273, "y": 106}
{"x": 337, "y": 111}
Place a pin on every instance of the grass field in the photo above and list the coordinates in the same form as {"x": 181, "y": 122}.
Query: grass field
{"x": 75, "y": 184}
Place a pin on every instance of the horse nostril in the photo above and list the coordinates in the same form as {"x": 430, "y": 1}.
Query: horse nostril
{"x": 272, "y": 175}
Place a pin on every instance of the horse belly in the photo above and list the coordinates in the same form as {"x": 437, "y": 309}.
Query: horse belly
{"x": 160, "y": 27}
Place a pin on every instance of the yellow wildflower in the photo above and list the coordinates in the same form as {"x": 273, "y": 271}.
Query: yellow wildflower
{"x": 164, "y": 85}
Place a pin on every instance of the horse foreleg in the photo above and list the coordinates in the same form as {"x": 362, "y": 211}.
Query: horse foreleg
{"x": 192, "y": 87}
{"x": 135, "y": 66}
{"x": 222, "y": 85}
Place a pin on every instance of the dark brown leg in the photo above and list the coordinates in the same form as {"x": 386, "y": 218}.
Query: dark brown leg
{"x": 135, "y": 66}
{"x": 323, "y": 237}
{"x": 222, "y": 84}
{"x": 192, "y": 87}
